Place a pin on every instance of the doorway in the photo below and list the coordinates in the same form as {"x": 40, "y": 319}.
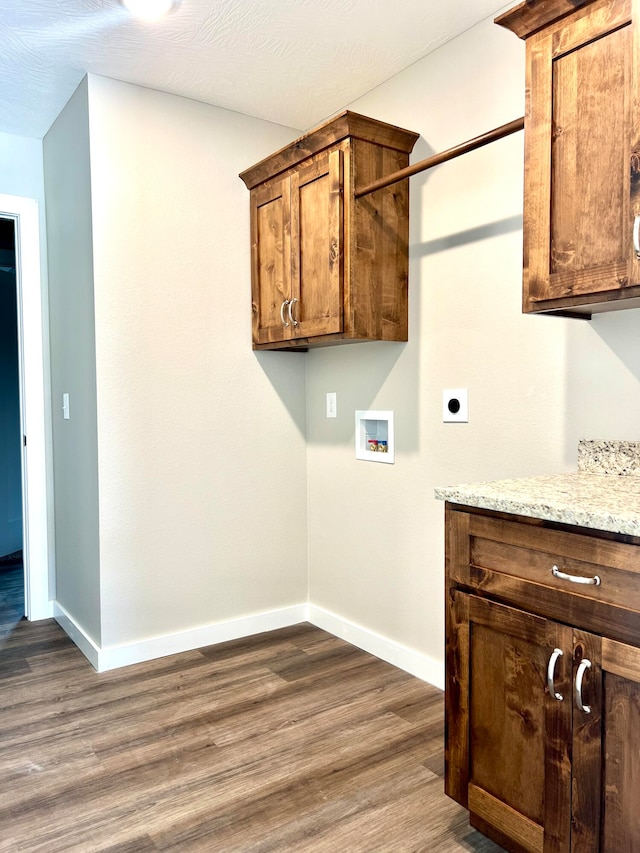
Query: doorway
{"x": 12, "y": 605}
{"x": 20, "y": 223}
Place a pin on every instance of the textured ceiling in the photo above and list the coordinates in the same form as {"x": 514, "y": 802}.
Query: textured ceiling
{"x": 294, "y": 62}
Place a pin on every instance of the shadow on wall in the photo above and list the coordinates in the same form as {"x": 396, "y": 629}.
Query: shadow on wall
{"x": 603, "y": 379}
{"x": 619, "y": 331}
{"x": 359, "y": 374}
{"x": 362, "y": 374}
{"x": 472, "y": 235}
{"x": 285, "y": 372}
{"x": 421, "y": 249}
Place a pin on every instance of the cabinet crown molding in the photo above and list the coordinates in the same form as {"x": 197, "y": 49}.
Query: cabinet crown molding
{"x": 528, "y": 17}
{"x": 345, "y": 125}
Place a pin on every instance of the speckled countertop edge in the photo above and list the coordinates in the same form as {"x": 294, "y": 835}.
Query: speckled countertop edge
{"x": 597, "y": 501}
{"x": 604, "y": 494}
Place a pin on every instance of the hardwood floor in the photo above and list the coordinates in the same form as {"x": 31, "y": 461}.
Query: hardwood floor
{"x": 288, "y": 741}
{"x": 11, "y": 595}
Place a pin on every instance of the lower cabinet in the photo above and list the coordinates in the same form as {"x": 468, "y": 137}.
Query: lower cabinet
{"x": 542, "y": 717}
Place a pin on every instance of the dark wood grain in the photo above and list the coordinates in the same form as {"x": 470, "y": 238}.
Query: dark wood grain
{"x": 11, "y": 596}
{"x": 587, "y": 748}
{"x": 542, "y": 772}
{"x": 558, "y": 736}
{"x": 507, "y": 660}
{"x": 288, "y": 741}
{"x": 590, "y": 164}
{"x": 532, "y": 15}
{"x": 270, "y": 258}
{"x": 457, "y": 740}
{"x": 621, "y": 727}
{"x": 345, "y": 259}
{"x": 581, "y": 154}
{"x": 512, "y": 560}
{"x": 317, "y": 235}
{"x": 330, "y": 132}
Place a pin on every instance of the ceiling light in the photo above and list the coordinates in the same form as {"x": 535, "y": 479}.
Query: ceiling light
{"x": 149, "y": 10}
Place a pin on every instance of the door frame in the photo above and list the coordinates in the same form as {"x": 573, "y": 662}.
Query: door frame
{"x": 35, "y": 405}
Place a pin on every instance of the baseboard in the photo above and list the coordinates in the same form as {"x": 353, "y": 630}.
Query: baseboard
{"x": 111, "y": 657}
{"x": 415, "y": 663}
{"x": 76, "y": 633}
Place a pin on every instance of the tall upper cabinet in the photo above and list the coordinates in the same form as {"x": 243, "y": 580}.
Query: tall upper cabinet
{"x": 326, "y": 267}
{"x": 582, "y": 154}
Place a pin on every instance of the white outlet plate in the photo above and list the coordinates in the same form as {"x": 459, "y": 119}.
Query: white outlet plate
{"x": 455, "y": 406}
{"x": 332, "y": 404}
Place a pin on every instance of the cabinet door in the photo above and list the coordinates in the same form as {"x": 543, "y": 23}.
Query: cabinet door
{"x": 318, "y": 246}
{"x": 606, "y": 757}
{"x": 507, "y": 737}
{"x": 582, "y": 163}
{"x": 271, "y": 261}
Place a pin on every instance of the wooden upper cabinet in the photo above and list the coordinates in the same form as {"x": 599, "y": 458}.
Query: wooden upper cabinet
{"x": 317, "y": 262}
{"x": 325, "y": 267}
{"x": 270, "y": 257}
{"x": 582, "y": 154}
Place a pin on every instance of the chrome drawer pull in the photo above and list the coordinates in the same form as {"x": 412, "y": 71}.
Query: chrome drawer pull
{"x": 291, "y": 304}
{"x": 551, "y": 671}
{"x": 584, "y": 666}
{"x": 563, "y": 576}
{"x": 282, "y": 307}
{"x": 636, "y": 236}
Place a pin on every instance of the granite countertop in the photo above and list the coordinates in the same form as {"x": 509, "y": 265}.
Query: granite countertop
{"x": 604, "y": 494}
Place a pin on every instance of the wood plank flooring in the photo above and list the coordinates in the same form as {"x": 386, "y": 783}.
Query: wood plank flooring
{"x": 291, "y": 740}
{"x": 11, "y": 595}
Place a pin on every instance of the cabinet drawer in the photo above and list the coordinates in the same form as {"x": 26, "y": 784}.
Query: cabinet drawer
{"x": 563, "y": 574}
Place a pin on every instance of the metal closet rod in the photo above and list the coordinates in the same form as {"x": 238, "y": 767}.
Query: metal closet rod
{"x": 450, "y": 154}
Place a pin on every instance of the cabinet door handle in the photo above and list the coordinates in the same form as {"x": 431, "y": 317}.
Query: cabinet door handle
{"x": 563, "y": 576}
{"x": 291, "y": 304}
{"x": 636, "y": 236}
{"x": 282, "y": 307}
{"x": 584, "y": 666}
{"x": 551, "y": 674}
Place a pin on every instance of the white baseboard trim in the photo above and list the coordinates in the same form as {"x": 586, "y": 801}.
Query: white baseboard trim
{"x": 415, "y": 663}
{"x": 111, "y": 657}
{"x": 76, "y": 633}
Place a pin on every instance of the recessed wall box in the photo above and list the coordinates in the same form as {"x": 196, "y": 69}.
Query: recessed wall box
{"x": 375, "y": 440}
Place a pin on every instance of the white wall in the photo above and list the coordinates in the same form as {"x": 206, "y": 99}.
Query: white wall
{"x": 536, "y": 384}
{"x": 210, "y": 468}
{"x": 73, "y": 363}
{"x": 201, "y": 441}
{"x": 21, "y": 168}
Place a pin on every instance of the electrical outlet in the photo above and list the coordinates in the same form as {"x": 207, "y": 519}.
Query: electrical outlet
{"x": 455, "y": 406}
{"x": 332, "y": 405}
